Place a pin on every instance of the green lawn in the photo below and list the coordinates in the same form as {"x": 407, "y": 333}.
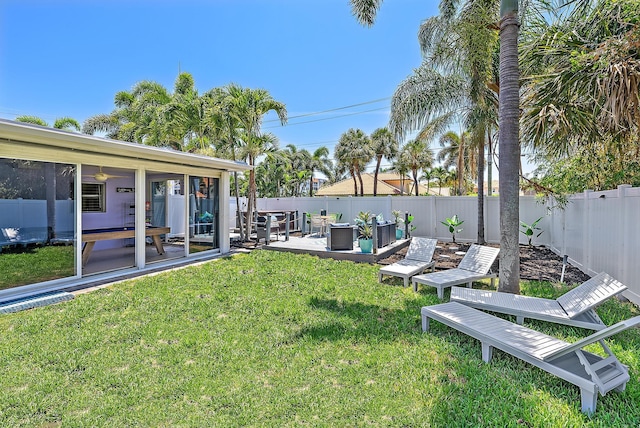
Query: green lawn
{"x": 276, "y": 339}
{"x": 20, "y": 266}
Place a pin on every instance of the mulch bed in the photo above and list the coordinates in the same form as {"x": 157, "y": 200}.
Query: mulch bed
{"x": 536, "y": 263}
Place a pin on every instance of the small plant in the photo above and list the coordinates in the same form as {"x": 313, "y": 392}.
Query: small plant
{"x": 408, "y": 227}
{"x": 365, "y": 231}
{"x": 364, "y": 217}
{"x": 452, "y": 223}
{"x": 530, "y": 229}
{"x": 398, "y": 216}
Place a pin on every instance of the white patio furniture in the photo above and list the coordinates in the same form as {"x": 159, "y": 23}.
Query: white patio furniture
{"x": 575, "y": 308}
{"x": 592, "y": 373}
{"x": 474, "y": 266}
{"x": 418, "y": 259}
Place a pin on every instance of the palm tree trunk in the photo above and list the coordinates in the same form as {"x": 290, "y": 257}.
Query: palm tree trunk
{"x": 360, "y": 180}
{"x": 238, "y": 211}
{"x": 480, "y": 146}
{"x": 509, "y": 149}
{"x": 460, "y": 168}
{"x": 355, "y": 183}
{"x": 375, "y": 175}
{"x": 250, "y": 199}
{"x": 489, "y": 163}
{"x": 415, "y": 182}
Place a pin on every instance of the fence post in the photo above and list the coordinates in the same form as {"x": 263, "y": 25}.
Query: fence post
{"x": 374, "y": 225}
{"x": 626, "y": 223}
{"x": 434, "y": 223}
{"x": 586, "y": 236}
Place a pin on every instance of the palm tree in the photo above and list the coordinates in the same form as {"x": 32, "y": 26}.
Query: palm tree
{"x": 250, "y": 106}
{"x": 318, "y": 160}
{"x": 384, "y": 145}
{"x": 440, "y": 173}
{"x": 455, "y": 150}
{"x": 138, "y": 116}
{"x": 416, "y": 155}
{"x": 509, "y": 148}
{"x": 424, "y": 92}
{"x": 354, "y": 149}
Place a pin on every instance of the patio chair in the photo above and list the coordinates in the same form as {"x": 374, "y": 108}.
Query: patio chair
{"x": 417, "y": 260}
{"x": 590, "y": 372}
{"x": 575, "y": 308}
{"x": 474, "y": 266}
{"x": 317, "y": 222}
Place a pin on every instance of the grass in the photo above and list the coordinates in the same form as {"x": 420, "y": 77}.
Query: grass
{"x": 276, "y": 339}
{"x": 20, "y": 266}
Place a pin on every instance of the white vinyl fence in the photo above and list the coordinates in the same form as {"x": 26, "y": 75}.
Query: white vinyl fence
{"x": 598, "y": 231}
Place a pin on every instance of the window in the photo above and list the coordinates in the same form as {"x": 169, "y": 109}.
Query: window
{"x": 93, "y": 197}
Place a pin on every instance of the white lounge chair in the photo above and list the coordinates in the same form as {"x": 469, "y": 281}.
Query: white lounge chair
{"x": 418, "y": 259}
{"x": 592, "y": 373}
{"x": 575, "y": 308}
{"x": 474, "y": 266}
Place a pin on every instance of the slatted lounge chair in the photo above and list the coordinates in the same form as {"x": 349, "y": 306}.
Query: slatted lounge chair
{"x": 575, "y": 308}
{"x": 592, "y": 373}
{"x": 417, "y": 260}
{"x": 474, "y": 266}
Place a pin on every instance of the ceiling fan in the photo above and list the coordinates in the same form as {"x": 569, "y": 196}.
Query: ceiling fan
{"x": 103, "y": 176}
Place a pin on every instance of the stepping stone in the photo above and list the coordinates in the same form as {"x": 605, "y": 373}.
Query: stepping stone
{"x": 454, "y": 248}
{"x": 460, "y": 253}
{"x": 444, "y": 256}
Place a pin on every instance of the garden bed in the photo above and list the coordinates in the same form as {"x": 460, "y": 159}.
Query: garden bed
{"x": 536, "y": 263}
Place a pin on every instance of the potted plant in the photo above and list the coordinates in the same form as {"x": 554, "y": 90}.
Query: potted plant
{"x": 398, "y": 216}
{"x": 365, "y": 231}
{"x": 365, "y": 238}
{"x": 452, "y": 224}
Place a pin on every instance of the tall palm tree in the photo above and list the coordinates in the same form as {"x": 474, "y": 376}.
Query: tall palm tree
{"x": 344, "y": 162}
{"x": 354, "y": 149}
{"x": 250, "y": 106}
{"x": 455, "y": 150}
{"x": 318, "y": 161}
{"x": 384, "y": 145}
{"x": 416, "y": 155}
{"x": 223, "y": 123}
{"x": 415, "y": 107}
{"x": 440, "y": 173}
{"x": 509, "y": 147}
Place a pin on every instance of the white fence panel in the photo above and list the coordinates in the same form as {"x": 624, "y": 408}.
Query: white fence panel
{"x": 466, "y": 208}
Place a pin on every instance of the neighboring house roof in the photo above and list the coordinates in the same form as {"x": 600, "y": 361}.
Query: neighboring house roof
{"x": 388, "y": 184}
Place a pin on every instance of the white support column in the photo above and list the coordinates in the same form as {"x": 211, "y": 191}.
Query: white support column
{"x": 78, "y": 214}
{"x": 187, "y": 202}
{"x": 224, "y": 203}
{"x": 140, "y": 192}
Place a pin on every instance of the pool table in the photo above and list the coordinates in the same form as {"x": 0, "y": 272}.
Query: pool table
{"x": 90, "y": 237}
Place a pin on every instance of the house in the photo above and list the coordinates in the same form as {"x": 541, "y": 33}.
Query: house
{"x": 103, "y": 209}
{"x": 388, "y": 184}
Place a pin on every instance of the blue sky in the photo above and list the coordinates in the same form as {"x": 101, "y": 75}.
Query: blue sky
{"x": 69, "y": 58}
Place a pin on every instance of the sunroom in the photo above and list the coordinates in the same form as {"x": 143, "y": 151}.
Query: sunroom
{"x": 77, "y": 209}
